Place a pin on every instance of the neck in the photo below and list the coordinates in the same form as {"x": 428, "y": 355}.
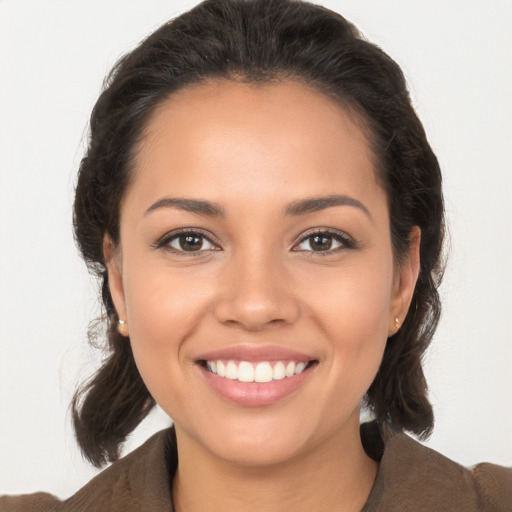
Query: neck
{"x": 336, "y": 475}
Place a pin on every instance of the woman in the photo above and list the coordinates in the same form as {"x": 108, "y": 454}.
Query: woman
{"x": 265, "y": 213}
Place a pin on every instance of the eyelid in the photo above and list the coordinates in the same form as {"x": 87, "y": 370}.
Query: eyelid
{"x": 163, "y": 241}
{"x": 346, "y": 240}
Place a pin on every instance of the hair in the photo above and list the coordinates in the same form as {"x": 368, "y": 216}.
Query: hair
{"x": 259, "y": 42}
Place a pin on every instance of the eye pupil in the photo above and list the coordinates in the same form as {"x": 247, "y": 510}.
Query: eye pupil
{"x": 321, "y": 242}
{"x": 190, "y": 242}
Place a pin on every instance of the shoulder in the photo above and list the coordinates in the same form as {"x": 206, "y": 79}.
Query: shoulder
{"x": 139, "y": 481}
{"x": 494, "y": 486}
{"x": 414, "y": 477}
{"x": 37, "y": 502}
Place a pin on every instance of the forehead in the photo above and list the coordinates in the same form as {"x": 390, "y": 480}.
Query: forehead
{"x": 282, "y": 139}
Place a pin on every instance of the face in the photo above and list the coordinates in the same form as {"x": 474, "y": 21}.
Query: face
{"x": 255, "y": 270}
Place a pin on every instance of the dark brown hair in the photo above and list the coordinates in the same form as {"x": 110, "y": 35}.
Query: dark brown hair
{"x": 260, "y": 41}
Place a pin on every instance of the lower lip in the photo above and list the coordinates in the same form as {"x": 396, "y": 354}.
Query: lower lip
{"x": 254, "y": 394}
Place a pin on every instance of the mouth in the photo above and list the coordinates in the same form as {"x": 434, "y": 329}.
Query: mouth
{"x": 252, "y": 381}
{"x": 256, "y": 371}
{"x": 253, "y": 376}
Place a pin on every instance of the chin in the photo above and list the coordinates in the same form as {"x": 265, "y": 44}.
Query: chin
{"x": 249, "y": 440}
{"x": 274, "y": 438}
{"x": 255, "y": 452}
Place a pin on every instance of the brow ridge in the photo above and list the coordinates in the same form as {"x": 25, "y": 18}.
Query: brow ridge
{"x": 296, "y": 208}
{"x": 197, "y": 206}
{"x": 315, "y": 204}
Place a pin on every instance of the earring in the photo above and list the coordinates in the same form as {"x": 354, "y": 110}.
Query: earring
{"x": 122, "y": 328}
{"x": 397, "y": 322}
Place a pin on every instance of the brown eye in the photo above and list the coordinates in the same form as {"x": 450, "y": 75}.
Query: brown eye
{"x": 324, "y": 242}
{"x": 190, "y": 242}
{"x": 320, "y": 243}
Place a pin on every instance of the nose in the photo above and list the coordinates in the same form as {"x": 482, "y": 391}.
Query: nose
{"x": 255, "y": 294}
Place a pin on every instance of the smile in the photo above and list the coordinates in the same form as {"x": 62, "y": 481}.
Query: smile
{"x": 254, "y": 376}
{"x": 261, "y": 372}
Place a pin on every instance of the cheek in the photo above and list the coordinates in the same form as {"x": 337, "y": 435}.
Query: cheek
{"x": 163, "y": 309}
{"x": 352, "y": 308}
{"x": 162, "y": 304}
{"x": 354, "y": 300}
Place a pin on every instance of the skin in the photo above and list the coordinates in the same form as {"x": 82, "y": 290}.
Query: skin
{"x": 254, "y": 151}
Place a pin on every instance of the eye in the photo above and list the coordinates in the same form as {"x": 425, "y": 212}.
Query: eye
{"x": 186, "y": 242}
{"x": 324, "y": 242}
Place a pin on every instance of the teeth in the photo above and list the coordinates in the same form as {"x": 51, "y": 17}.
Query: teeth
{"x": 299, "y": 368}
{"x": 221, "y": 369}
{"x": 261, "y": 372}
{"x": 279, "y": 371}
{"x": 245, "y": 372}
{"x": 231, "y": 370}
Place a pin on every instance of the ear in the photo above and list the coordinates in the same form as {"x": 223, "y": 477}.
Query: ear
{"x": 112, "y": 258}
{"x": 404, "y": 283}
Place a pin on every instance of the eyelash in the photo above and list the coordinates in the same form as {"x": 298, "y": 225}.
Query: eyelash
{"x": 346, "y": 241}
{"x": 164, "y": 242}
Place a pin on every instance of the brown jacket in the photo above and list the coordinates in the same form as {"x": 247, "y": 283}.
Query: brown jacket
{"x": 411, "y": 478}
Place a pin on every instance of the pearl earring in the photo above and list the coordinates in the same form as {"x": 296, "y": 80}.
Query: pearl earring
{"x": 122, "y": 328}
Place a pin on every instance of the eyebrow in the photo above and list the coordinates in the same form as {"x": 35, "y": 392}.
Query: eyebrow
{"x": 315, "y": 204}
{"x": 301, "y": 207}
{"x": 205, "y": 208}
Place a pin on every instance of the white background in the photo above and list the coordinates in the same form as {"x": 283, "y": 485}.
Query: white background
{"x": 457, "y": 55}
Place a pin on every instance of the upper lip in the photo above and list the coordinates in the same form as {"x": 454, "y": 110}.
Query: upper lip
{"x": 255, "y": 353}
